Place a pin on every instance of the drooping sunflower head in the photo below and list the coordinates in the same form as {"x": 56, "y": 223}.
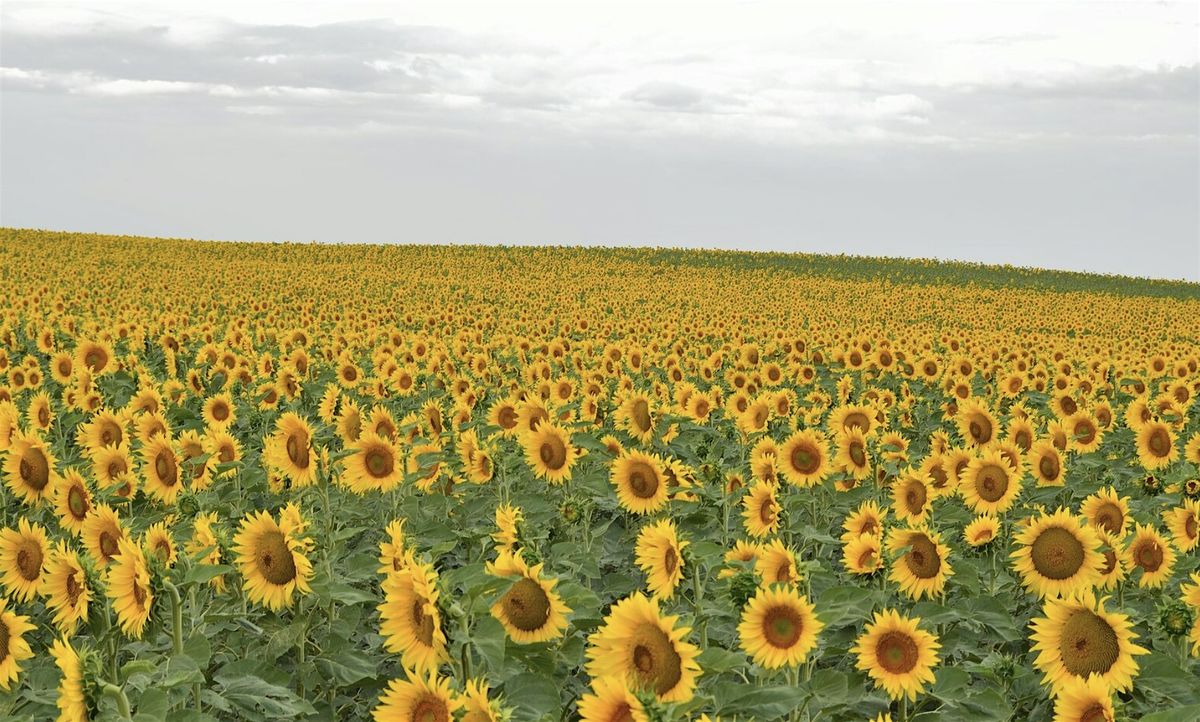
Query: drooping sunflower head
{"x": 128, "y": 586}
{"x": 897, "y": 654}
{"x": 647, "y": 650}
{"x": 72, "y": 700}
{"x": 659, "y": 553}
{"x": 66, "y": 588}
{"x": 410, "y": 620}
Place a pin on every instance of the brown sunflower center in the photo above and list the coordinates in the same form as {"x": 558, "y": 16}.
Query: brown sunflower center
{"x": 108, "y": 544}
{"x": 1095, "y": 713}
{"x": 429, "y": 708}
{"x": 220, "y": 411}
{"x": 857, "y": 420}
{"x": 1085, "y": 433}
{"x": 1088, "y": 644}
{"x": 1190, "y": 526}
{"x": 866, "y": 559}
{"x": 1057, "y": 553}
{"x": 896, "y": 652}
{"x": 274, "y": 558}
{"x": 766, "y": 512}
{"x": 1048, "y": 466}
{"x": 553, "y": 452}
{"x": 656, "y": 664}
{"x": 1110, "y": 517}
{"x": 643, "y": 480}
{"x": 422, "y": 622}
{"x": 640, "y": 414}
{"x": 34, "y": 469}
{"x": 164, "y": 467}
{"x": 782, "y": 626}
{"x": 297, "y": 449}
{"x": 4, "y": 639}
{"x": 1023, "y": 440}
{"x": 29, "y": 560}
{"x": 938, "y": 474}
{"x": 77, "y": 502}
{"x": 992, "y": 483}
{"x": 670, "y": 560}
{"x": 923, "y": 559}
{"x": 806, "y": 459}
{"x": 74, "y": 589}
{"x": 915, "y": 497}
{"x": 379, "y": 463}
{"x": 857, "y": 453}
{"x": 980, "y": 429}
{"x": 526, "y": 605}
{"x": 1148, "y": 555}
{"x": 1159, "y": 442}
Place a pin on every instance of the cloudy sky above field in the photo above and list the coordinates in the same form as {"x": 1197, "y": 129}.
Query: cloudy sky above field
{"x": 1050, "y": 134}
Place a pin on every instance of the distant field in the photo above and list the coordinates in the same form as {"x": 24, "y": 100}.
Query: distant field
{"x": 424, "y": 483}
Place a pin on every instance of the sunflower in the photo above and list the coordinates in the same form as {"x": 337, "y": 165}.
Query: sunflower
{"x": 482, "y": 468}
{"x": 761, "y": 510}
{"x": 23, "y": 553}
{"x": 29, "y": 468}
{"x": 1106, "y": 510}
{"x": 508, "y": 519}
{"x": 897, "y": 654}
{"x": 866, "y": 519}
{"x": 1077, "y": 638}
{"x": 1191, "y": 450}
{"x": 111, "y": 465}
{"x": 410, "y": 621}
{"x": 13, "y": 647}
{"x": 1083, "y": 432}
{"x": 160, "y": 466}
{"x": 72, "y": 701}
{"x": 776, "y": 564}
{"x": 10, "y": 423}
{"x": 804, "y": 458}
{"x": 417, "y": 699}
{"x": 66, "y": 588}
{"x": 976, "y": 424}
{"x": 1057, "y": 555}
{"x": 990, "y": 485}
{"x": 647, "y": 650}
{"x": 290, "y": 450}
{"x": 845, "y": 418}
{"x": 1084, "y": 700}
{"x": 635, "y": 416}
{"x": 549, "y": 452}
{"x": 1115, "y": 568}
{"x": 1047, "y": 463}
{"x": 102, "y": 533}
{"x": 1183, "y": 522}
{"x": 862, "y": 555}
{"x": 39, "y": 413}
{"x": 157, "y": 542}
{"x": 1153, "y": 554}
{"x": 72, "y": 501}
{"x": 476, "y": 705}
{"x": 659, "y": 554}
{"x": 611, "y": 701}
{"x": 425, "y": 464}
{"x": 982, "y": 530}
{"x": 779, "y": 627}
{"x": 218, "y": 411}
{"x": 271, "y": 558}
{"x": 530, "y": 610}
{"x": 911, "y": 497}
{"x": 503, "y": 414}
{"x": 127, "y": 584}
{"x": 222, "y": 447}
{"x": 373, "y": 464}
{"x": 1156, "y": 445}
{"x": 95, "y": 356}
{"x": 640, "y": 482}
{"x": 851, "y": 456}
{"x": 922, "y": 567}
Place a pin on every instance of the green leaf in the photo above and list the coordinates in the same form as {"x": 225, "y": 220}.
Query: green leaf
{"x": 534, "y": 692}
{"x": 346, "y": 668}
{"x": 1192, "y": 711}
{"x": 715, "y": 660}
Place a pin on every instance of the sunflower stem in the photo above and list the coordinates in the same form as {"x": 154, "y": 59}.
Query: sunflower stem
{"x": 176, "y": 618}
{"x": 904, "y": 709}
{"x": 118, "y": 697}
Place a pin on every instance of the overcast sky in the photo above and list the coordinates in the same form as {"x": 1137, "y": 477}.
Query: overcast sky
{"x": 1061, "y": 135}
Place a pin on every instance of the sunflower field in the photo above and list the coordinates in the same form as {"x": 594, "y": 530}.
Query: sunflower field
{"x": 423, "y": 484}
